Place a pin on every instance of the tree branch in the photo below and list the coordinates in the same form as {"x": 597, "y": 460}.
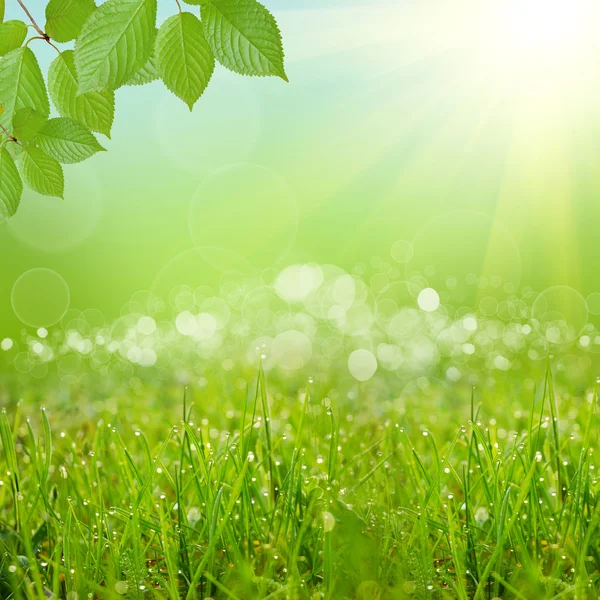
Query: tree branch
{"x": 44, "y": 38}
{"x": 9, "y": 135}
{"x": 5, "y": 130}
{"x": 35, "y": 25}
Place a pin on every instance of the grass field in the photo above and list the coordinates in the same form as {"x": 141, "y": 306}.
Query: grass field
{"x": 280, "y": 489}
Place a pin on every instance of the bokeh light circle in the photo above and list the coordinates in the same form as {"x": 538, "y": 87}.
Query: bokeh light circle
{"x": 460, "y": 244}
{"x": 561, "y": 313}
{"x": 291, "y": 350}
{"x": 593, "y": 303}
{"x": 362, "y": 364}
{"x": 396, "y": 296}
{"x": 296, "y": 282}
{"x": 428, "y": 300}
{"x": 187, "y": 271}
{"x": 201, "y": 141}
{"x": 402, "y": 251}
{"x": 40, "y": 297}
{"x": 55, "y": 225}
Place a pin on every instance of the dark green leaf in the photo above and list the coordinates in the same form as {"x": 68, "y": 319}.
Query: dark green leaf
{"x": 65, "y": 18}
{"x": 21, "y": 85}
{"x": 115, "y": 43}
{"x": 185, "y": 61}
{"x": 95, "y": 110}
{"x": 41, "y": 173}
{"x": 12, "y": 35}
{"x": 26, "y": 123}
{"x": 244, "y": 37}
{"x": 11, "y": 186}
{"x": 67, "y": 141}
{"x": 147, "y": 74}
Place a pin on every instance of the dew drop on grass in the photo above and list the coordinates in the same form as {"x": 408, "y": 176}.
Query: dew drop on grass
{"x": 328, "y": 522}
{"x": 121, "y": 587}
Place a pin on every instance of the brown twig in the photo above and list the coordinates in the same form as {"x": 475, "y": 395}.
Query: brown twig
{"x": 41, "y": 37}
{"x": 41, "y": 33}
{"x": 35, "y": 37}
{"x": 10, "y": 136}
{"x": 5, "y": 130}
{"x": 35, "y": 25}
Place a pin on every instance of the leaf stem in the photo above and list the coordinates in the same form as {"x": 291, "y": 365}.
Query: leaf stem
{"x": 11, "y": 138}
{"x": 42, "y": 34}
{"x": 42, "y": 37}
{"x": 35, "y": 25}
{"x": 35, "y": 37}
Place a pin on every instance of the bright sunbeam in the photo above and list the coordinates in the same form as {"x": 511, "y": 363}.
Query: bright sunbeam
{"x": 546, "y": 26}
{"x": 548, "y": 43}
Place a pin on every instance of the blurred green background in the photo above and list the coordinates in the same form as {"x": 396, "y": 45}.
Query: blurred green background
{"x": 401, "y": 121}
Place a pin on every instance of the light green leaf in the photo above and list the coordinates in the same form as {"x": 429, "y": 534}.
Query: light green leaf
{"x": 11, "y": 186}
{"x": 67, "y": 141}
{"x": 21, "y": 85}
{"x": 115, "y": 43}
{"x": 244, "y": 37}
{"x": 26, "y": 123}
{"x": 65, "y": 18}
{"x": 14, "y": 150}
{"x": 12, "y": 35}
{"x": 184, "y": 59}
{"x": 147, "y": 74}
{"x": 95, "y": 110}
{"x": 41, "y": 172}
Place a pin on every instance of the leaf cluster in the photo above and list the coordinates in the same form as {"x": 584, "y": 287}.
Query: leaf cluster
{"x": 111, "y": 45}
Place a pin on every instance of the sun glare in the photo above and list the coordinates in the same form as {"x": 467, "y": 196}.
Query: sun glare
{"x": 542, "y": 42}
{"x": 545, "y": 26}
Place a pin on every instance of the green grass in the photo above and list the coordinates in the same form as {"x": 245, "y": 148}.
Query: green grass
{"x": 275, "y": 490}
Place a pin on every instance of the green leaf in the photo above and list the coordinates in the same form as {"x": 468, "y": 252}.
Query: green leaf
{"x": 2, "y": 10}
{"x": 14, "y": 150}
{"x": 41, "y": 173}
{"x": 95, "y": 110}
{"x": 147, "y": 74}
{"x": 12, "y": 35}
{"x": 115, "y": 43}
{"x": 21, "y": 85}
{"x": 185, "y": 61}
{"x": 65, "y": 18}
{"x": 11, "y": 186}
{"x": 244, "y": 37}
{"x": 26, "y": 123}
{"x": 67, "y": 141}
